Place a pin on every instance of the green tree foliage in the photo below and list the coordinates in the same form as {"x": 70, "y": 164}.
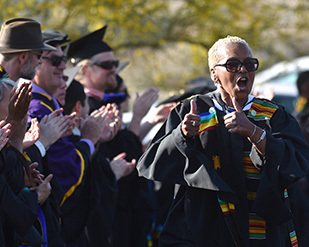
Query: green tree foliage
{"x": 166, "y": 41}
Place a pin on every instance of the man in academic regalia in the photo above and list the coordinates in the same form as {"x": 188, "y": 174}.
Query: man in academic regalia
{"x": 135, "y": 201}
{"x": 67, "y": 161}
{"x": 19, "y": 58}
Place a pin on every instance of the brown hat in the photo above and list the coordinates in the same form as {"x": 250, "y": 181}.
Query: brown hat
{"x": 21, "y": 34}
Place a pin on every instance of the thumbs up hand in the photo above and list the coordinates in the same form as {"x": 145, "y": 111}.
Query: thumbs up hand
{"x": 191, "y": 122}
{"x": 237, "y": 121}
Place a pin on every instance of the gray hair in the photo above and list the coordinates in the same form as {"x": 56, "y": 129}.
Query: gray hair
{"x": 214, "y": 55}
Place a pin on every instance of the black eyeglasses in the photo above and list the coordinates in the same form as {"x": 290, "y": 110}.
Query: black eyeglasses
{"x": 108, "y": 65}
{"x": 234, "y": 65}
{"x": 56, "y": 60}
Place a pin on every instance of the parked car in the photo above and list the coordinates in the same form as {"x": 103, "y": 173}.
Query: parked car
{"x": 282, "y": 77}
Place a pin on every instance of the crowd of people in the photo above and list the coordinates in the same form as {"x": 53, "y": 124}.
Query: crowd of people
{"x": 73, "y": 174}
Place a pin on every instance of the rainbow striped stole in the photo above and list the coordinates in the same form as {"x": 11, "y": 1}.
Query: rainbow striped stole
{"x": 261, "y": 110}
{"x": 209, "y": 120}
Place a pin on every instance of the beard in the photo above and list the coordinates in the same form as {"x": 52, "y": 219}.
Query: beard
{"x": 111, "y": 82}
{"x": 28, "y": 70}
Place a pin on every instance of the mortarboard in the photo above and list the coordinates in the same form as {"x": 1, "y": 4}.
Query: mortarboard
{"x": 88, "y": 46}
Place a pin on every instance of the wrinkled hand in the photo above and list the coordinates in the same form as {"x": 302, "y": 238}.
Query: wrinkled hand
{"x": 121, "y": 167}
{"x": 237, "y": 121}
{"x": 191, "y": 123}
{"x": 143, "y": 102}
{"x": 32, "y": 135}
{"x": 4, "y": 132}
{"x": 18, "y": 104}
{"x": 53, "y": 127}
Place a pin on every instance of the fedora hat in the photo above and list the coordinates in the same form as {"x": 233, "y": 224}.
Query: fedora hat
{"x": 22, "y": 34}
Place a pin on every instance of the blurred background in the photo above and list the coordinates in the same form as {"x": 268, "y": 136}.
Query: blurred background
{"x": 166, "y": 41}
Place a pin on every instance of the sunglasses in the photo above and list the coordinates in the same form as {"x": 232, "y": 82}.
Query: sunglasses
{"x": 56, "y": 60}
{"x": 234, "y": 65}
{"x": 108, "y": 65}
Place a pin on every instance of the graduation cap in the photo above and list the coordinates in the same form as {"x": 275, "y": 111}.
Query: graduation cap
{"x": 200, "y": 86}
{"x": 54, "y": 38}
{"x": 88, "y": 46}
{"x": 74, "y": 92}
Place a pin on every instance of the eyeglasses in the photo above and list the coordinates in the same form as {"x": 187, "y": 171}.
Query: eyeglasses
{"x": 37, "y": 53}
{"x": 56, "y": 60}
{"x": 234, "y": 65}
{"x": 108, "y": 65}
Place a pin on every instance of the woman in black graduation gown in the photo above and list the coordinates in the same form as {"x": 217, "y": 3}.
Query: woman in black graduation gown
{"x": 233, "y": 155}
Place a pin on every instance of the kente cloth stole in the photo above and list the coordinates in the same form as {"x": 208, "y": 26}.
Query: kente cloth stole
{"x": 262, "y": 110}
{"x": 301, "y": 104}
{"x": 257, "y": 225}
{"x": 290, "y": 225}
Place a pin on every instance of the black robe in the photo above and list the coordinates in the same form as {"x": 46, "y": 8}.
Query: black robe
{"x": 135, "y": 205}
{"x": 195, "y": 218}
{"x": 135, "y": 202}
{"x": 18, "y": 207}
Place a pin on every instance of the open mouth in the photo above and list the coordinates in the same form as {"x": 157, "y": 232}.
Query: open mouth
{"x": 242, "y": 83}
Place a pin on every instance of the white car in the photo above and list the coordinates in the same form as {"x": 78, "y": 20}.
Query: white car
{"x": 282, "y": 77}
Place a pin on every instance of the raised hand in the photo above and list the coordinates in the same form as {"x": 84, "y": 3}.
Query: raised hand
{"x": 18, "y": 105}
{"x": 35, "y": 176}
{"x": 144, "y": 101}
{"x": 53, "y": 127}
{"x": 32, "y": 135}
{"x": 44, "y": 189}
{"x": 237, "y": 121}
{"x": 121, "y": 167}
{"x": 191, "y": 122}
{"x": 112, "y": 124}
{"x": 93, "y": 125}
{"x": 4, "y": 132}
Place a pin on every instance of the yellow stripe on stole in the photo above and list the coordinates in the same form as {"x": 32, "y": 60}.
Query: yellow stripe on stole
{"x": 44, "y": 94}
{"x": 26, "y": 156}
{"x": 72, "y": 189}
{"x": 47, "y": 106}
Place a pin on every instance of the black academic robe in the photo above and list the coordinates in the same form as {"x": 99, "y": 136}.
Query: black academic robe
{"x": 18, "y": 210}
{"x": 196, "y": 218}
{"x": 135, "y": 203}
{"x": 51, "y": 207}
{"x": 72, "y": 177}
{"x": 103, "y": 201}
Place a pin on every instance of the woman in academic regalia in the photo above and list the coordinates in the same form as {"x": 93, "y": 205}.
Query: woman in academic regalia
{"x": 233, "y": 155}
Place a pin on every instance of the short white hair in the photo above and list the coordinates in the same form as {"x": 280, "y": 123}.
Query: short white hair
{"x": 214, "y": 55}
